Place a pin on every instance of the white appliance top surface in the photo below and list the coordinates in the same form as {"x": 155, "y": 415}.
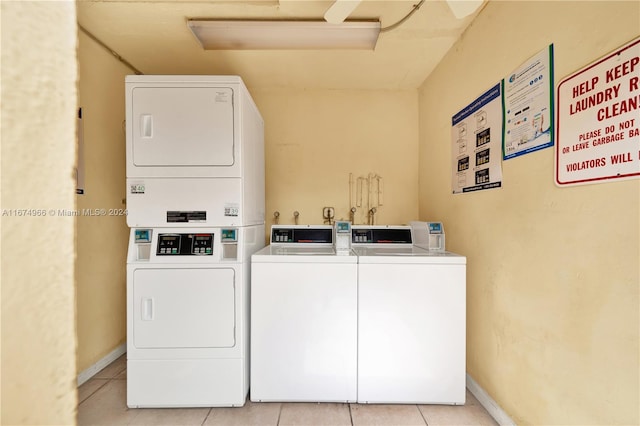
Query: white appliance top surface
{"x": 317, "y": 254}
{"x": 222, "y": 79}
{"x": 406, "y": 254}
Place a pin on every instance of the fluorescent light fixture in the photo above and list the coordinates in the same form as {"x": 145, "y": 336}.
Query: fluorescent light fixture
{"x": 277, "y": 34}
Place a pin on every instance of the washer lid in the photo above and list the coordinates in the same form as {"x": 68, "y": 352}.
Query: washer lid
{"x": 406, "y": 255}
{"x": 280, "y": 254}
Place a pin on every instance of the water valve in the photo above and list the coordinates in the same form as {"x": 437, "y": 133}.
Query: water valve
{"x": 328, "y": 213}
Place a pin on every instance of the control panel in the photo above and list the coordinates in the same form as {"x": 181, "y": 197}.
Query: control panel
{"x": 142, "y": 240}
{"x": 301, "y": 235}
{"x": 436, "y": 236}
{"x": 229, "y": 239}
{"x": 185, "y": 245}
{"x": 342, "y": 235}
{"x": 429, "y": 235}
{"x": 381, "y": 236}
{"x": 435, "y": 228}
{"x": 142, "y": 236}
{"x": 229, "y": 236}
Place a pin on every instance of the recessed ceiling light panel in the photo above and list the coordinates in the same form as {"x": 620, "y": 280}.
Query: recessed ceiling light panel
{"x": 278, "y": 34}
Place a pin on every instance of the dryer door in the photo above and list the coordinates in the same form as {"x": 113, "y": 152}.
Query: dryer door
{"x": 184, "y": 308}
{"x": 186, "y": 126}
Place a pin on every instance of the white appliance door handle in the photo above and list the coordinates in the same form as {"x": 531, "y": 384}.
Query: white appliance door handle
{"x": 146, "y": 126}
{"x": 147, "y": 309}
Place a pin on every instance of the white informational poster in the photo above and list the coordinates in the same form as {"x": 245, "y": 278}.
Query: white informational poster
{"x": 528, "y": 106}
{"x": 476, "y": 136}
{"x": 598, "y": 120}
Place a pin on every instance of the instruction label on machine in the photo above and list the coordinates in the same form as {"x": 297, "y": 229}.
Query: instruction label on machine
{"x": 186, "y": 217}
{"x": 476, "y": 141}
{"x": 598, "y": 120}
{"x": 136, "y": 188}
{"x": 231, "y": 209}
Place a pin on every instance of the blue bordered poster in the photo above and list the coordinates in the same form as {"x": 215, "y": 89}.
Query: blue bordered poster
{"x": 528, "y": 106}
{"x": 476, "y": 135}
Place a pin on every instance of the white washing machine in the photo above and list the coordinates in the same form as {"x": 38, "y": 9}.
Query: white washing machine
{"x": 188, "y": 315}
{"x": 304, "y": 301}
{"x": 411, "y": 320}
{"x": 195, "y": 152}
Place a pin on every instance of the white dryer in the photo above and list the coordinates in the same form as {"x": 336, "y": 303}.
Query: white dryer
{"x": 303, "y": 318}
{"x": 411, "y": 320}
{"x": 188, "y": 315}
{"x": 195, "y": 152}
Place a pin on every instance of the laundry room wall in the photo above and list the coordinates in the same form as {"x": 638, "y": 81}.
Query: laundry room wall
{"x": 101, "y": 240}
{"x": 39, "y": 76}
{"x": 553, "y": 275}
{"x": 330, "y": 134}
{"x": 316, "y": 138}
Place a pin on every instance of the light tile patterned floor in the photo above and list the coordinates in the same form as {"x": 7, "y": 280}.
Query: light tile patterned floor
{"x": 103, "y": 401}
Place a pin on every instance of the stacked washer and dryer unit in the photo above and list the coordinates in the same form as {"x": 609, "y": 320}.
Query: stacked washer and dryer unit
{"x": 195, "y": 200}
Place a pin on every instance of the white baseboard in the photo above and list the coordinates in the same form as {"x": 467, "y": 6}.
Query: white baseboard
{"x": 488, "y": 403}
{"x": 108, "y": 359}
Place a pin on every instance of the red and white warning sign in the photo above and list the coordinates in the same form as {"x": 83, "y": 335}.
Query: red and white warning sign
{"x": 598, "y": 120}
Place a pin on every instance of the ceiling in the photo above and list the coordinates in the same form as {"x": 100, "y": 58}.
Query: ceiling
{"x": 153, "y": 36}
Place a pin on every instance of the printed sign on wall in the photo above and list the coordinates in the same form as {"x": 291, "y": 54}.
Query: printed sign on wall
{"x": 598, "y": 120}
{"x": 528, "y": 106}
{"x": 476, "y": 136}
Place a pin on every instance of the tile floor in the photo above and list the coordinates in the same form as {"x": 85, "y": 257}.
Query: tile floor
{"x": 103, "y": 402}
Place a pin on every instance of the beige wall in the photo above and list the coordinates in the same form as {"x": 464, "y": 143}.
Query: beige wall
{"x": 102, "y": 241}
{"x": 39, "y": 74}
{"x": 315, "y": 138}
{"x": 311, "y": 137}
{"x": 553, "y": 275}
